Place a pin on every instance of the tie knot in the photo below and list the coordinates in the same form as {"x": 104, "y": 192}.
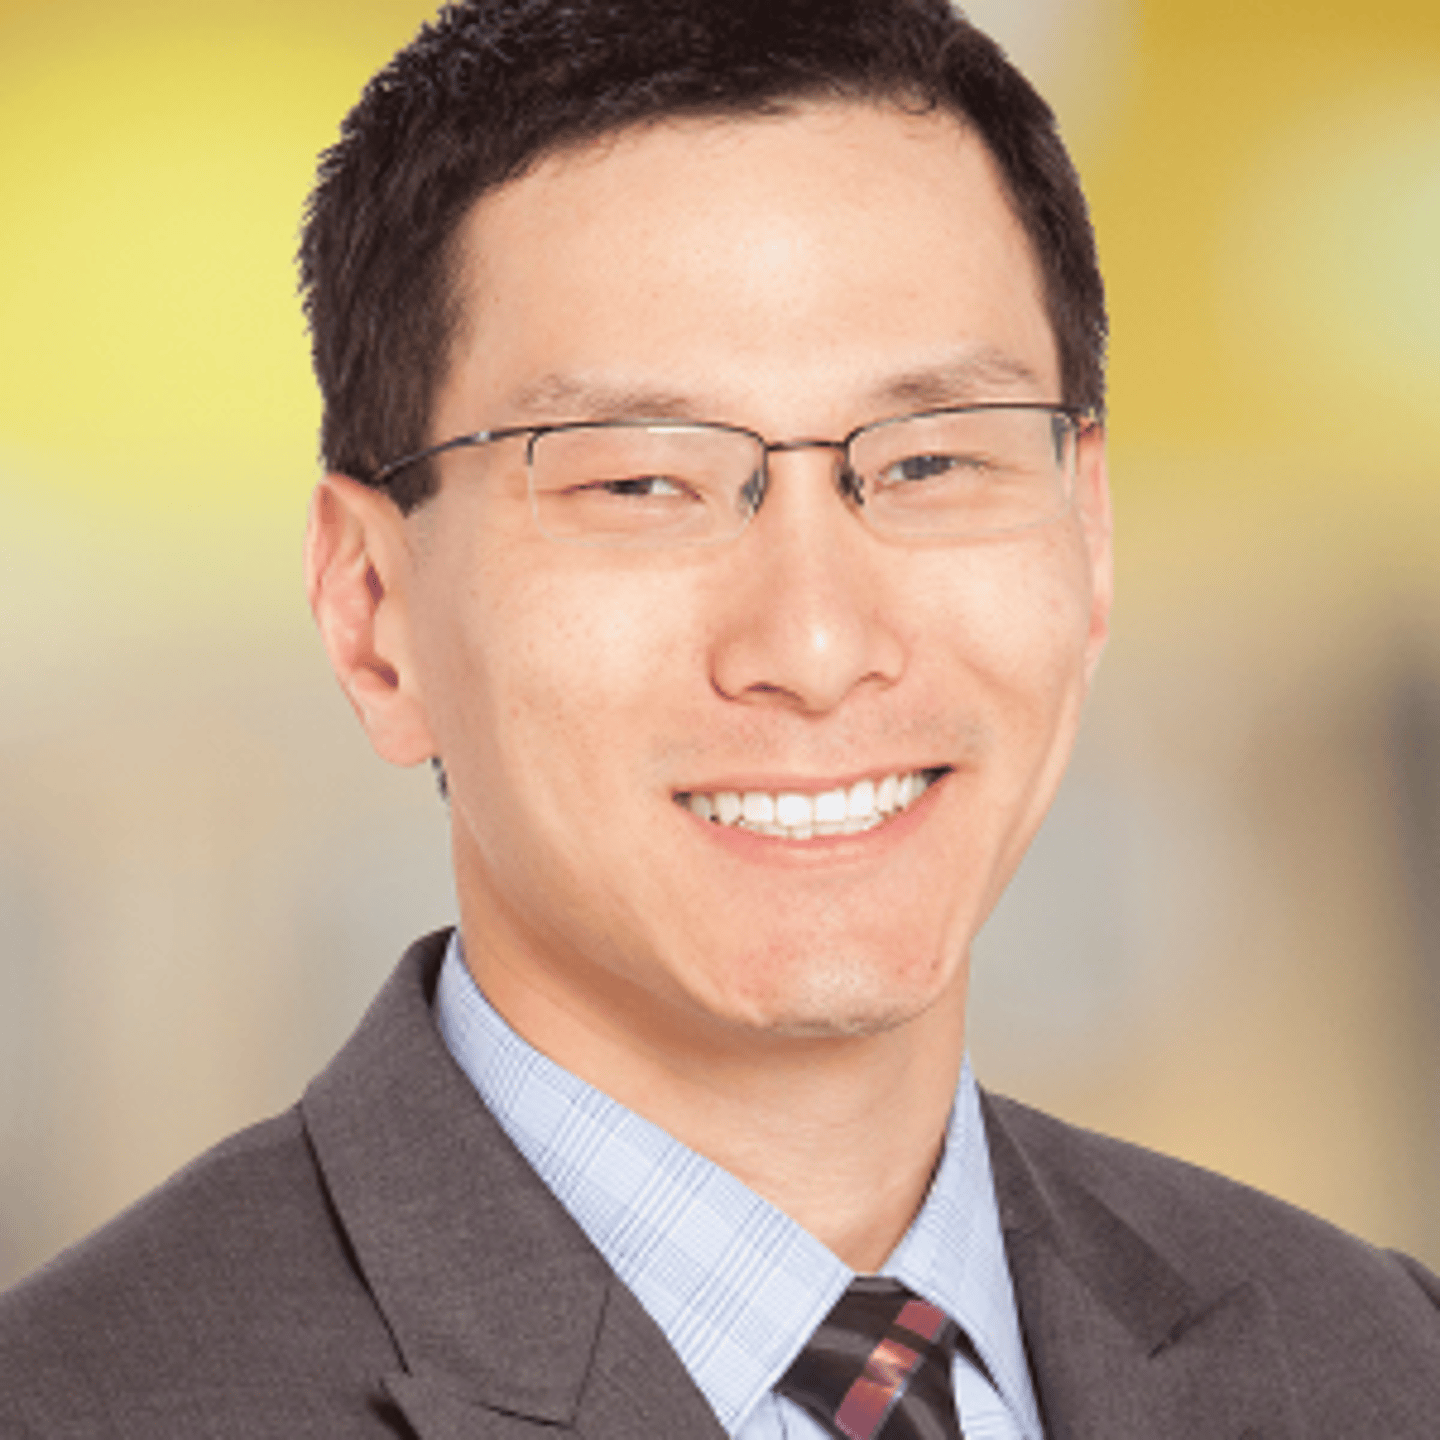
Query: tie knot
{"x": 878, "y": 1366}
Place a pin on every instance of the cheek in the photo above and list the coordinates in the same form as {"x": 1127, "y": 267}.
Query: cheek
{"x": 1015, "y": 615}
{"x": 564, "y": 674}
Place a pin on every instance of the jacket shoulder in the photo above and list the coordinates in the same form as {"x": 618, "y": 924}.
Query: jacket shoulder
{"x": 1202, "y": 1221}
{"x": 1167, "y": 1244}
{"x": 231, "y": 1271}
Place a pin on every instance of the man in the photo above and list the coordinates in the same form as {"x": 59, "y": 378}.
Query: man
{"x": 717, "y": 493}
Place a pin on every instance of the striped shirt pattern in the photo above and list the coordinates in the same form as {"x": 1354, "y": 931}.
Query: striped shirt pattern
{"x": 736, "y": 1286}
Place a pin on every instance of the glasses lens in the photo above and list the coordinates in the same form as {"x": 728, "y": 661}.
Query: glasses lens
{"x": 965, "y": 472}
{"x": 624, "y": 484}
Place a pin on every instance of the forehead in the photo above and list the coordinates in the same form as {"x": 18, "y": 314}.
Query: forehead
{"x": 722, "y": 264}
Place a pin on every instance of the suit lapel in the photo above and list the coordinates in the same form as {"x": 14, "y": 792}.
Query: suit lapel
{"x": 505, "y": 1317}
{"x": 508, "y": 1323}
{"x": 1121, "y": 1345}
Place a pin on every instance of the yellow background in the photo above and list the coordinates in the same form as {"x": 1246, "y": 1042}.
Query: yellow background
{"x": 1226, "y": 943}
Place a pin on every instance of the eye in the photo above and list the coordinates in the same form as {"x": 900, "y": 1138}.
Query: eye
{"x": 658, "y": 490}
{"x": 641, "y": 487}
{"x": 914, "y": 468}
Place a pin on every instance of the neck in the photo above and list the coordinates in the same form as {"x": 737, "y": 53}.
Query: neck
{"x": 845, "y": 1144}
{"x": 842, "y": 1134}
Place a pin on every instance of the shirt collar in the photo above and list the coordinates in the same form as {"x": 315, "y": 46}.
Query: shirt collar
{"x": 953, "y": 1255}
{"x": 735, "y": 1285}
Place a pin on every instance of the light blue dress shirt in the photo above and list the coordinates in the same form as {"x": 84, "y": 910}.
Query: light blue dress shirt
{"x": 736, "y": 1286}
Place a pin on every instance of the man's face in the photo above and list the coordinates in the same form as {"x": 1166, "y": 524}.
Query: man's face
{"x": 800, "y": 276}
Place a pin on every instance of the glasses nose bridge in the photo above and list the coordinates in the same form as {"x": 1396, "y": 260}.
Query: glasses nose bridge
{"x": 841, "y": 449}
{"x": 781, "y": 447}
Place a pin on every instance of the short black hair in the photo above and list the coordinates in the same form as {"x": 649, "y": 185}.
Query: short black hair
{"x": 492, "y": 86}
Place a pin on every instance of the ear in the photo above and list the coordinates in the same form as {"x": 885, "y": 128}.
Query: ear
{"x": 358, "y": 561}
{"x": 1092, "y": 500}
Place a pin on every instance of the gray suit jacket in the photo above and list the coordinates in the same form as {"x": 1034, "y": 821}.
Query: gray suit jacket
{"x": 380, "y": 1261}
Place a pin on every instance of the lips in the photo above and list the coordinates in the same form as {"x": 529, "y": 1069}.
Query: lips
{"x": 802, "y": 815}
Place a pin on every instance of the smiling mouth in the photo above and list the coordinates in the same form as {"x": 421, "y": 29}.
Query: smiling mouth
{"x": 797, "y": 815}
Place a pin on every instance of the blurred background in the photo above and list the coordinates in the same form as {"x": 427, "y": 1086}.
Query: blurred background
{"x": 1226, "y": 943}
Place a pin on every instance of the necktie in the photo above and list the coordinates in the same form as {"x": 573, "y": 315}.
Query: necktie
{"x": 878, "y": 1367}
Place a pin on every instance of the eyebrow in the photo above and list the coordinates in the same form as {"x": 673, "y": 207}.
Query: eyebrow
{"x": 557, "y": 394}
{"x": 977, "y": 375}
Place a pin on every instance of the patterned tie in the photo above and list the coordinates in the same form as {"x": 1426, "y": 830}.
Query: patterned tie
{"x": 878, "y": 1367}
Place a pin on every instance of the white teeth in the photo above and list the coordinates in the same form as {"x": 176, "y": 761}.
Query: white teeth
{"x": 793, "y": 815}
{"x": 861, "y": 799}
{"x": 727, "y": 807}
{"x": 792, "y": 811}
{"x": 757, "y": 807}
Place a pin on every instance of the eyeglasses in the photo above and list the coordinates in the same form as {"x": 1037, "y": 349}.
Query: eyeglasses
{"x": 955, "y": 474}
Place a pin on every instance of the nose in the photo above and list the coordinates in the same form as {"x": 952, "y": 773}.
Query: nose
{"x": 807, "y": 616}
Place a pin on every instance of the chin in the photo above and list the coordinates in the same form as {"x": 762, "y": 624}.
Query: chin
{"x": 842, "y": 1000}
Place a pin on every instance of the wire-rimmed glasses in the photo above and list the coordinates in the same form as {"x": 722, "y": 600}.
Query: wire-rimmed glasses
{"x": 960, "y": 473}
